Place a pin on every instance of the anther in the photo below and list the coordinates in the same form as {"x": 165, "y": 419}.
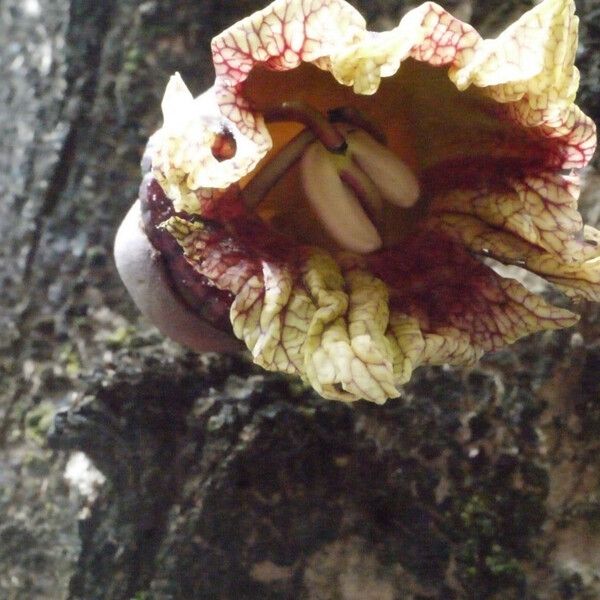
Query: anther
{"x": 336, "y": 203}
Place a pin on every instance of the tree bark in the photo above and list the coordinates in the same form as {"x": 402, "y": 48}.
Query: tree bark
{"x": 208, "y": 477}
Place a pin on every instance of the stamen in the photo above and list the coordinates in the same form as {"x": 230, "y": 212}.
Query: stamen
{"x": 346, "y": 172}
{"x": 393, "y": 177}
{"x": 335, "y": 203}
{"x": 266, "y": 178}
{"x": 301, "y": 112}
{"x": 364, "y": 189}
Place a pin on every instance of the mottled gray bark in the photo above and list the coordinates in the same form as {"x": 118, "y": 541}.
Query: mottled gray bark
{"x": 222, "y": 481}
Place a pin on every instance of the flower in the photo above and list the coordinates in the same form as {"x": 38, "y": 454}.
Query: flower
{"x": 338, "y": 191}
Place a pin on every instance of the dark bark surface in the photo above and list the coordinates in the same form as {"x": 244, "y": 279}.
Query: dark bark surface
{"x": 209, "y": 478}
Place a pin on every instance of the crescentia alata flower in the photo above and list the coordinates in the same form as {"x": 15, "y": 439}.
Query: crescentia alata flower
{"x": 334, "y": 197}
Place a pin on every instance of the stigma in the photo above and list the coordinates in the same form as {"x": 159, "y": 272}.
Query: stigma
{"x": 347, "y": 174}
